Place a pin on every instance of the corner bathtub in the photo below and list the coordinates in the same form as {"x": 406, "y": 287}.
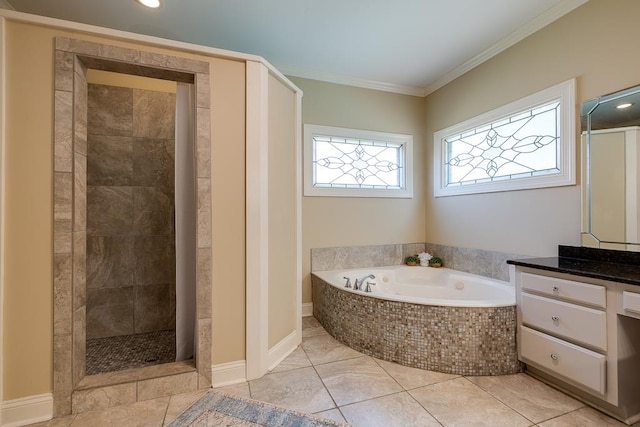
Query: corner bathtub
{"x": 430, "y": 318}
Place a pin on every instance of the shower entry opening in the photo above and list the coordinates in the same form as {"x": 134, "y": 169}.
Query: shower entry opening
{"x": 132, "y": 222}
{"x": 140, "y": 222}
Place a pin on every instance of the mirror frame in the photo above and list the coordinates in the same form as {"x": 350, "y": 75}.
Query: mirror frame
{"x": 587, "y": 109}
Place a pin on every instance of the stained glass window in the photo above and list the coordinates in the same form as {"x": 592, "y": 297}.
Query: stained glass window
{"x": 526, "y": 144}
{"x": 350, "y": 162}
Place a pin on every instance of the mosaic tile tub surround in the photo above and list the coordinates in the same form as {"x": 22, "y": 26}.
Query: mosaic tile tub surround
{"x": 456, "y": 340}
{"x": 460, "y": 340}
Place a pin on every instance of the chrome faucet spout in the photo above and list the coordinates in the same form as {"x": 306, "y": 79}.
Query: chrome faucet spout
{"x": 360, "y": 282}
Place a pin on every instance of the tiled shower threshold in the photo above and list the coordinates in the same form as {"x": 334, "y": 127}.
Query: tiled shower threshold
{"x": 126, "y": 369}
{"x": 137, "y": 374}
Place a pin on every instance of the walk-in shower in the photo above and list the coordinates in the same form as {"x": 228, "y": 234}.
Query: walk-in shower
{"x": 140, "y": 210}
{"x": 74, "y": 61}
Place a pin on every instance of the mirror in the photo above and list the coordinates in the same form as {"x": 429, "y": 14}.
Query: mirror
{"x": 610, "y": 159}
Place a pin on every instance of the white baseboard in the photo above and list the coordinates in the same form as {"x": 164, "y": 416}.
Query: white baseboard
{"x": 307, "y": 309}
{"x": 281, "y": 350}
{"x": 229, "y": 373}
{"x": 27, "y": 410}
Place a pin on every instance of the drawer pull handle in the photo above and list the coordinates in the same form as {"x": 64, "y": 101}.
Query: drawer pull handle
{"x": 556, "y": 289}
{"x": 555, "y": 319}
{"x": 554, "y": 356}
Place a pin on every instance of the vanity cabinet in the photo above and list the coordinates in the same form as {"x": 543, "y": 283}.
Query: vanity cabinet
{"x": 563, "y": 329}
{"x": 582, "y": 335}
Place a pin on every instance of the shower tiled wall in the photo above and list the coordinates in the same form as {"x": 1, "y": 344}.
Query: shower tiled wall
{"x": 130, "y": 211}
{"x": 477, "y": 261}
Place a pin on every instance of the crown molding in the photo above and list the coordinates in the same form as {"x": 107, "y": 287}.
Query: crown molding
{"x": 324, "y": 76}
{"x": 281, "y": 70}
{"x": 520, "y": 34}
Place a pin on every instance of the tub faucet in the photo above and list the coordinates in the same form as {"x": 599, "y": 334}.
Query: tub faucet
{"x": 359, "y": 285}
{"x": 348, "y": 284}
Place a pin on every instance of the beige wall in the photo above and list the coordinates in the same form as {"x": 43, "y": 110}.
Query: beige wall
{"x": 282, "y": 212}
{"x": 27, "y": 309}
{"x": 341, "y": 221}
{"x": 228, "y": 101}
{"x": 595, "y": 43}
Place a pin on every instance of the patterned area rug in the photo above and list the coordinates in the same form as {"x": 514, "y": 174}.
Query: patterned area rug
{"x": 216, "y": 409}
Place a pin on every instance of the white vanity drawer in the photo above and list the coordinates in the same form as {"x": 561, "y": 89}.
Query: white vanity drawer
{"x": 576, "y": 323}
{"x": 631, "y": 301}
{"x": 573, "y": 291}
{"x": 583, "y": 367}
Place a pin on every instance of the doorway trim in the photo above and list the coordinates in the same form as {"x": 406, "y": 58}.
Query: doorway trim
{"x": 72, "y": 59}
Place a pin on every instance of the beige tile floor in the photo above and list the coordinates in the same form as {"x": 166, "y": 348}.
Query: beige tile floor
{"x": 326, "y": 378}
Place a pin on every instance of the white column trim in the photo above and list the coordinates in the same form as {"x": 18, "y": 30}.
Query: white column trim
{"x": 282, "y": 349}
{"x": 2, "y": 190}
{"x": 298, "y": 143}
{"x": 27, "y": 410}
{"x": 229, "y": 373}
{"x": 257, "y": 217}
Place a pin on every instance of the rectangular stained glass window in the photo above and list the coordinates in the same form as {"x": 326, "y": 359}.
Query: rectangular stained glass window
{"x": 526, "y": 144}
{"x": 522, "y": 145}
{"x": 349, "y": 162}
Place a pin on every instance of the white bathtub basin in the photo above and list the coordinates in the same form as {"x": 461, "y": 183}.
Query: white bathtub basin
{"x": 427, "y": 285}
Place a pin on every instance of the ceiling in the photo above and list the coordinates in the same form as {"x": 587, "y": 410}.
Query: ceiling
{"x": 406, "y": 46}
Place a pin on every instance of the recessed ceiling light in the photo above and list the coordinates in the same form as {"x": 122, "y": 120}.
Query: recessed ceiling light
{"x": 150, "y": 3}
{"x": 625, "y": 105}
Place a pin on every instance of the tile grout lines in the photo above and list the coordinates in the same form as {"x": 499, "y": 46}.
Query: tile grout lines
{"x": 405, "y": 390}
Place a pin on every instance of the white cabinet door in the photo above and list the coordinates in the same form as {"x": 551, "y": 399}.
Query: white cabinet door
{"x": 584, "y": 368}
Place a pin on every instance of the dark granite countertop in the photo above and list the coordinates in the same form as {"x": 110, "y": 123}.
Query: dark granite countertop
{"x": 616, "y": 266}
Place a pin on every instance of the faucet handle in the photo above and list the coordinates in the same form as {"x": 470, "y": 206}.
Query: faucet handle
{"x": 348, "y": 284}
{"x": 368, "y": 288}
{"x": 357, "y": 285}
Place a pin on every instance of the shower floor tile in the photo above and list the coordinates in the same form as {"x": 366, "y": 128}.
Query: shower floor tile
{"x": 130, "y": 351}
